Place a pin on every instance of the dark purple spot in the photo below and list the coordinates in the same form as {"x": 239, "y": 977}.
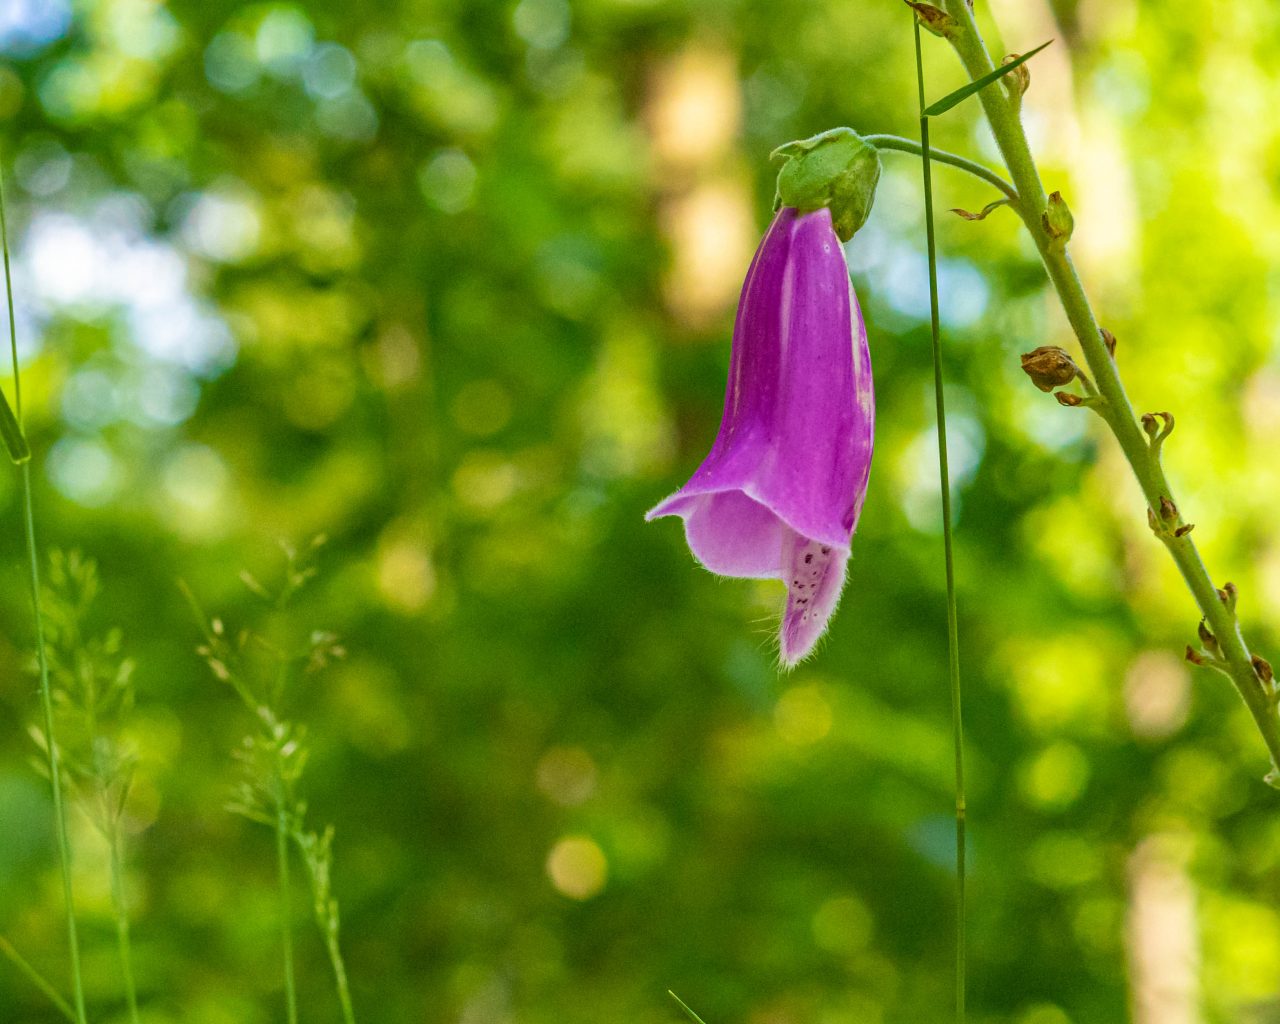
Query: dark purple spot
{"x": 808, "y": 558}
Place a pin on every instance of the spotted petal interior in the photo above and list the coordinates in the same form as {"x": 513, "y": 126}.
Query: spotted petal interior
{"x": 814, "y": 577}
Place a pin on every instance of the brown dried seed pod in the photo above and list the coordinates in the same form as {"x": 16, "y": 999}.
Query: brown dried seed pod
{"x": 1049, "y": 367}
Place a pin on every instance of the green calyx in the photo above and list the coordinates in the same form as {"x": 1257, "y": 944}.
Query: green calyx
{"x": 837, "y": 169}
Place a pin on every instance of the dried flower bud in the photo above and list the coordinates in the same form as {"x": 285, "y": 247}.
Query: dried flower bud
{"x": 1049, "y": 367}
{"x": 1109, "y": 340}
{"x": 1207, "y": 638}
{"x": 1184, "y": 529}
{"x": 936, "y": 20}
{"x": 984, "y": 213}
{"x": 1068, "y": 399}
{"x": 1017, "y": 81}
{"x": 1157, "y": 425}
{"x": 1263, "y": 668}
{"x": 1227, "y": 595}
{"x": 1194, "y": 656}
{"x": 1057, "y": 220}
{"x": 1168, "y": 510}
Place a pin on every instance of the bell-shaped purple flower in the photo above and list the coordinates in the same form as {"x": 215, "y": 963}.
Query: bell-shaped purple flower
{"x": 779, "y": 495}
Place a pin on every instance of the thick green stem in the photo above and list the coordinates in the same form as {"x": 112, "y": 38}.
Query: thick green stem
{"x": 122, "y": 921}
{"x": 1116, "y": 410}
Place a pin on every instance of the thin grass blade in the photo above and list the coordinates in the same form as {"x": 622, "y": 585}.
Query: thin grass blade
{"x": 681, "y": 1003}
{"x": 978, "y": 84}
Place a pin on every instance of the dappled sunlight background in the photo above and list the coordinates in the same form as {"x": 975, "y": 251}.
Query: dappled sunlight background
{"x": 452, "y": 284}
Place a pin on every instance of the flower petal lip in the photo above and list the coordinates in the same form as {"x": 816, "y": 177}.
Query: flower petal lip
{"x": 790, "y": 464}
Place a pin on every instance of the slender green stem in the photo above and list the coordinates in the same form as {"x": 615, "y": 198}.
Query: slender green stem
{"x": 283, "y": 803}
{"x": 286, "y": 916}
{"x": 36, "y": 978}
{"x": 1116, "y": 409}
{"x": 943, "y": 157}
{"x": 340, "y": 977}
{"x": 51, "y": 749}
{"x": 316, "y": 857}
{"x": 944, "y": 480}
{"x": 122, "y": 921}
{"x": 42, "y": 658}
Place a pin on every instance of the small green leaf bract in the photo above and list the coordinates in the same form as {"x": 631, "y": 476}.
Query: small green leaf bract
{"x": 692, "y": 1016}
{"x": 964, "y": 92}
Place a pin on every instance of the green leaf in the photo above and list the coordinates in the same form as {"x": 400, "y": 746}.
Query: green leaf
{"x": 964, "y": 92}
{"x": 680, "y": 1002}
{"x": 11, "y": 434}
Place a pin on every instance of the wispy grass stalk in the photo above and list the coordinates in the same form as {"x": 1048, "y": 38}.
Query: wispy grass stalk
{"x": 92, "y": 684}
{"x": 273, "y": 758}
{"x": 944, "y": 482}
{"x": 286, "y": 916}
{"x": 116, "y": 841}
{"x": 317, "y": 855}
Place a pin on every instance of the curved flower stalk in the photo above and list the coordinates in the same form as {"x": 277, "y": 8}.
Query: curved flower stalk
{"x": 780, "y": 493}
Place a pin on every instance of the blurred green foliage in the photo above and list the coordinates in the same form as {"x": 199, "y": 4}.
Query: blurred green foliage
{"x": 451, "y": 282}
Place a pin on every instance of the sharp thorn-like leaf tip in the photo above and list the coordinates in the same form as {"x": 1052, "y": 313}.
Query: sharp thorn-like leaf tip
{"x": 681, "y": 1003}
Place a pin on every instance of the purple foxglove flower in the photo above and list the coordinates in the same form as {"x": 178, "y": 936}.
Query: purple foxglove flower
{"x": 779, "y": 495}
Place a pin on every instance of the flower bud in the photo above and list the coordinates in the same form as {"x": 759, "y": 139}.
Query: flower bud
{"x": 837, "y": 169}
{"x": 1049, "y": 367}
{"x": 1057, "y": 219}
{"x": 1017, "y": 81}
